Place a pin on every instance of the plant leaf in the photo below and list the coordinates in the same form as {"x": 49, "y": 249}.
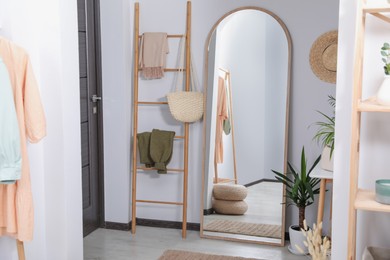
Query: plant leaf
{"x": 303, "y": 165}
{"x": 314, "y": 164}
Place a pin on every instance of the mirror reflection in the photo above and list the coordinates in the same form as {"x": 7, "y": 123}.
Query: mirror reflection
{"x": 246, "y": 127}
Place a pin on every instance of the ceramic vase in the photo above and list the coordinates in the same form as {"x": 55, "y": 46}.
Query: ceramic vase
{"x": 326, "y": 160}
{"x": 383, "y": 94}
{"x": 296, "y": 239}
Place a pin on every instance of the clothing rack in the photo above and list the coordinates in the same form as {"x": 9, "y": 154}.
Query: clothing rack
{"x": 185, "y": 137}
{"x": 230, "y": 109}
{"x": 20, "y": 249}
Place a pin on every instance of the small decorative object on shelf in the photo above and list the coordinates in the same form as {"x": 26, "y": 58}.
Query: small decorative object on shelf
{"x": 319, "y": 248}
{"x": 383, "y": 94}
{"x": 382, "y": 191}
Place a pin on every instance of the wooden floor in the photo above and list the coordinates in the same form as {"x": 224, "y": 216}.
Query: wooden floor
{"x": 149, "y": 243}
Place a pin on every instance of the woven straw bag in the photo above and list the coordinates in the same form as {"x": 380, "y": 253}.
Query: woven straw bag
{"x": 185, "y": 106}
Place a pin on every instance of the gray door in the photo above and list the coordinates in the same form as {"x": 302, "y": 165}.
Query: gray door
{"x": 91, "y": 114}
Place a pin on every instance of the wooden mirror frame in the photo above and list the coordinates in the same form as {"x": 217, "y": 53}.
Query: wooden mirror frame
{"x": 205, "y": 80}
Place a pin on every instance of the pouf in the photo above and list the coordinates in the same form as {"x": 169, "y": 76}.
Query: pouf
{"x": 229, "y": 207}
{"x": 234, "y": 192}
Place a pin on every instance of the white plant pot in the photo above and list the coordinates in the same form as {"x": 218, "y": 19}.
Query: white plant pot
{"x": 326, "y": 160}
{"x": 296, "y": 239}
{"x": 383, "y": 94}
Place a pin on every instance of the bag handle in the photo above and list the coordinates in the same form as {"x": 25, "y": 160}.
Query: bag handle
{"x": 194, "y": 76}
{"x": 180, "y": 65}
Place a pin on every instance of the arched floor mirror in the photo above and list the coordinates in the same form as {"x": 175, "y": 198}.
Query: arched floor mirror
{"x": 248, "y": 60}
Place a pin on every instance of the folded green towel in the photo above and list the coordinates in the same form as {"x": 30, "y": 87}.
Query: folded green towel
{"x": 161, "y": 147}
{"x": 144, "y": 149}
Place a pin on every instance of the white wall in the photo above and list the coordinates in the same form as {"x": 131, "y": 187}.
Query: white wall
{"x": 372, "y": 227}
{"x": 116, "y": 67}
{"x": 305, "y": 23}
{"x": 47, "y": 29}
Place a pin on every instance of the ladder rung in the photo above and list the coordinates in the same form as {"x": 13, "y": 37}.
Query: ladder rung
{"x": 154, "y": 169}
{"x": 169, "y": 69}
{"x": 221, "y": 180}
{"x": 170, "y": 35}
{"x": 179, "y": 137}
{"x": 160, "y": 202}
{"x": 152, "y": 103}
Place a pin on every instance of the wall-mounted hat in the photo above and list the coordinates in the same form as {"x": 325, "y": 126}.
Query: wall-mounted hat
{"x": 323, "y": 57}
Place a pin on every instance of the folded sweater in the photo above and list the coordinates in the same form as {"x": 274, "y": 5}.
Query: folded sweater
{"x": 156, "y": 148}
{"x": 143, "y": 140}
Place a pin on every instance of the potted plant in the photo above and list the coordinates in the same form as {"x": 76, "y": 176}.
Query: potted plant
{"x": 300, "y": 191}
{"x": 325, "y": 136}
{"x": 383, "y": 94}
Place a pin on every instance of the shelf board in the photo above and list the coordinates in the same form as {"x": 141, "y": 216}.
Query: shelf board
{"x": 365, "y": 200}
{"x": 371, "y": 105}
{"x": 383, "y": 8}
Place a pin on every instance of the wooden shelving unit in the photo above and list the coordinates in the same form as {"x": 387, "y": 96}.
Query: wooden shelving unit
{"x": 360, "y": 199}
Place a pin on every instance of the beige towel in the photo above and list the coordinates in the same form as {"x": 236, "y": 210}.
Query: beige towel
{"x": 154, "y": 49}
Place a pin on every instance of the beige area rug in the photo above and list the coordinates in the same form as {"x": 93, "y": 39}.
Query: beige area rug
{"x": 243, "y": 228}
{"x": 185, "y": 255}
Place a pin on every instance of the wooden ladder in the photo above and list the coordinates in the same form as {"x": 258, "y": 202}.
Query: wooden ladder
{"x": 360, "y": 199}
{"x": 136, "y": 103}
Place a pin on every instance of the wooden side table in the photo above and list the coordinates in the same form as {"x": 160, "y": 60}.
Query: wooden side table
{"x": 326, "y": 177}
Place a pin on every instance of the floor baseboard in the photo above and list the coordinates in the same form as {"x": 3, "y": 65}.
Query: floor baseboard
{"x": 151, "y": 223}
{"x": 118, "y": 226}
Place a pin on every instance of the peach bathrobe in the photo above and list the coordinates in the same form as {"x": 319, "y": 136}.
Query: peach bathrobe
{"x": 16, "y": 206}
{"x": 222, "y": 114}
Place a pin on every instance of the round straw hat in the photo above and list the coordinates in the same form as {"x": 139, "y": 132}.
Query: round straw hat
{"x": 323, "y": 57}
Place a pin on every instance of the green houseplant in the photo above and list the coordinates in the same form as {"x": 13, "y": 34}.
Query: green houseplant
{"x": 325, "y": 132}
{"x": 325, "y": 136}
{"x": 383, "y": 94}
{"x": 300, "y": 187}
{"x": 385, "y": 52}
{"x": 300, "y": 191}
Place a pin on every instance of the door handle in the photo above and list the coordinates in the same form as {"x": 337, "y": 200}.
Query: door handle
{"x": 95, "y": 98}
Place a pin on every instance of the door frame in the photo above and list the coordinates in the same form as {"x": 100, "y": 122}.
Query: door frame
{"x": 99, "y": 86}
